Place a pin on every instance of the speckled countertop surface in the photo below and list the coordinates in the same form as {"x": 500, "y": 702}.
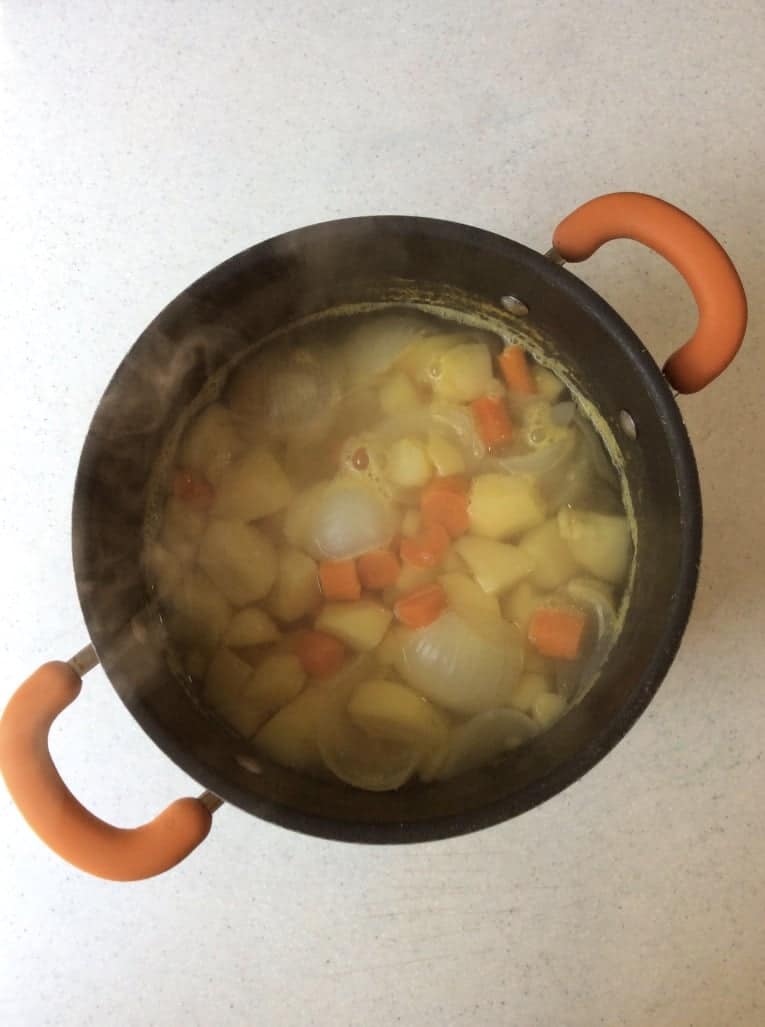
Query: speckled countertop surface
{"x": 142, "y": 144}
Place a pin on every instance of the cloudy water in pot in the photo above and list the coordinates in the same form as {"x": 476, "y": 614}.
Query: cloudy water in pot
{"x": 388, "y": 548}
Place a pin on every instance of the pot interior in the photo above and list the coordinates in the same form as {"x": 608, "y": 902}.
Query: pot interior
{"x": 327, "y": 270}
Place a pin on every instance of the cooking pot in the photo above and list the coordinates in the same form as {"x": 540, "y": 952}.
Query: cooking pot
{"x": 329, "y": 269}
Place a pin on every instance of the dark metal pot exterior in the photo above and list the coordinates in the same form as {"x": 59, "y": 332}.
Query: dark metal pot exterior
{"x": 325, "y": 267}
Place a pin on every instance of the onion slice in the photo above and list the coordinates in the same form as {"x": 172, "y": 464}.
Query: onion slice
{"x": 466, "y": 668}
{"x": 483, "y": 738}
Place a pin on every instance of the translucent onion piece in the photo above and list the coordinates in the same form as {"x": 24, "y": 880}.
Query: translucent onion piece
{"x": 373, "y": 347}
{"x": 596, "y": 453}
{"x": 374, "y": 764}
{"x": 454, "y": 422}
{"x": 466, "y": 668}
{"x": 573, "y": 679}
{"x": 483, "y": 738}
{"x": 347, "y": 518}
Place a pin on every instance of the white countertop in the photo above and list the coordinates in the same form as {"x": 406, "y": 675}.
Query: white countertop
{"x": 142, "y": 144}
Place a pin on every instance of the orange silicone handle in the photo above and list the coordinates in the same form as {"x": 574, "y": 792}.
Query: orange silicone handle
{"x": 698, "y": 257}
{"x": 50, "y": 809}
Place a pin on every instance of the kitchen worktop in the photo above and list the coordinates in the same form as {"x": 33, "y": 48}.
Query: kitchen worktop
{"x": 144, "y": 143}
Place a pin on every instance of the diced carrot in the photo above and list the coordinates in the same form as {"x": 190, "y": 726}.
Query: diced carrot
{"x": 515, "y": 370}
{"x": 427, "y": 548}
{"x": 339, "y": 579}
{"x": 449, "y": 509}
{"x": 458, "y": 483}
{"x": 319, "y": 653}
{"x": 378, "y": 569}
{"x": 557, "y": 632}
{"x": 193, "y": 489}
{"x": 421, "y": 606}
{"x": 493, "y": 421}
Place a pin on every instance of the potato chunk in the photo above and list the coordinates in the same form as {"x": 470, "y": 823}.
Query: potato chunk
{"x": 463, "y": 373}
{"x": 276, "y": 680}
{"x": 224, "y": 691}
{"x": 502, "y": 505}
{"x": 250, "y": 626}
{"x": 553, "y": 562}
{"x": 407, "y": 464}
{"x": 252, "y": 487}
{"x": 527, "y": 690}
{"x": 210, "y": 443}
{"x": 496, "y": 566}
{"x": 388, "y": 710}
{"x": 600, "y": 543}
{"x": 397, "y": 393}
{"x": 519, "y": 604}
{"x": 360, "y": 624}
{"x": 239, "y": 559}
{"x": 290, "y": 736}
{"x": 444, "y": 455}
{"x": 296, "y": 591}
{"x": 467, "y": 598}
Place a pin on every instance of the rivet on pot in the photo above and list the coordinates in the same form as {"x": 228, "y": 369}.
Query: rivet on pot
{"x": 514, "y": 306}
{"x": 628, "y": 425}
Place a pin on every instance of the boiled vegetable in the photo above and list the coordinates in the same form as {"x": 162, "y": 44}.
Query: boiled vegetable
{"x": 250, "y": 626}
{"x": 463, "y": 373}
{"x": 398, "y": 393}
{"x": 407, "y": 463}
{"x": 557, "y": 632}
{"x": 361, "y": 625}
{"x": 341, "y": 520}
{"x": 378, "y": 569}
{"x": 239, "y": 559}
{"x": 427, "y": 548}
{"x": 438, "y": 659}
{"x": 550, "y": 554}
{"x": 502, "y": 506}
{"x": 253, "y": 486}
{"x": 483, "y": 738}
{"x": 320, "y": 654}
{"x": 386, "y": 709}
{"x": 547, "y": 709}
{"x": 339, "y": 580}
{"x": 445, "y": 456}
{"x": 296, "y": 589}
{"x": 467, "y": 598}
{"x": 515, "y": 370}
{"x": 420, "y": 607}
{"x": 519, "y": 604}
{"x": 496, "y": 566}
{"x": 445, "y": 507}
{"x": 600, "y": 543}
{"x": 493, "y": 421}
{"x": 211, "y": 443}
{"x": 548, "y": 385}
{"x": 276, "y": 680}
{"x": 526, "y": 692}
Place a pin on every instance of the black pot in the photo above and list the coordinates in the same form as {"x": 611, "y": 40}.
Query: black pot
{"x": 321, "y": 269}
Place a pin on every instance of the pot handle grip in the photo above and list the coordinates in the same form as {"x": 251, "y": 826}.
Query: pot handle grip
{"x": 695, "y": 253}
{"x": 50, "y": 809}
